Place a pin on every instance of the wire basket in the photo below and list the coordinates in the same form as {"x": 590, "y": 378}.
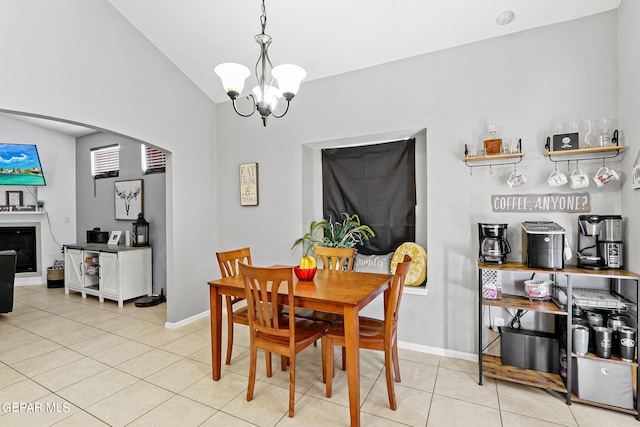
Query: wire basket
{"x": 538, "y": 290}
{"x": 593, "y": 298}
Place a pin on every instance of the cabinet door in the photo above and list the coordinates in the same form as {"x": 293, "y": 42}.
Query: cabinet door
{"x": 73, "y": 264}
{"x": 109, "y": 273}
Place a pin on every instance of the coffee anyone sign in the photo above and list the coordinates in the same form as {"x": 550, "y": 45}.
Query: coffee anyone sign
{"x": 574, "y": 202}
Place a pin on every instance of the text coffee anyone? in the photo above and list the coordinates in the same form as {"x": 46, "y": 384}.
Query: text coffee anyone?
{"x": 574, "y": 202}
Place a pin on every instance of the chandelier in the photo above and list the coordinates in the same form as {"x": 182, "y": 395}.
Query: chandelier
{"x": 265, "y": 96}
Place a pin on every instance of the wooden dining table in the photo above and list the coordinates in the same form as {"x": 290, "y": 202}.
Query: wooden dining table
{"x": 330, "y": 291}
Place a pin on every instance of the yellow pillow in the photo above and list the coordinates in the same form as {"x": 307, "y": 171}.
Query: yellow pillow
{"x": 418, "y": 270}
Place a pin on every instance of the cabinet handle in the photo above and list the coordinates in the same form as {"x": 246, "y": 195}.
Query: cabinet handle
{"x": 80, "y": 268}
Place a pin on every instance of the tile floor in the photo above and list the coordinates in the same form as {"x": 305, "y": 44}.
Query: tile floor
{"x": 68, "y": 361}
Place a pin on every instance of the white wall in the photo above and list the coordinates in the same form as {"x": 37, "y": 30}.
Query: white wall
{"x": 57, "y": 155}
{"x": 524, "y": 81}
{"x": 82, "y": 61}
{"x": 629, "y": 16}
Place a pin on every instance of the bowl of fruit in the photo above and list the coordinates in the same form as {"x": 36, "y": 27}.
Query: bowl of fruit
{"x": 307, "y": 269}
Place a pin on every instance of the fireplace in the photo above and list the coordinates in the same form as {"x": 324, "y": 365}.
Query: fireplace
{"x": 22, "y": 239}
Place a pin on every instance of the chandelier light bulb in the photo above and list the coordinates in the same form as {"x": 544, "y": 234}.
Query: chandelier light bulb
{"x": 289, "y": 77}
{"x": 233, "y": 77}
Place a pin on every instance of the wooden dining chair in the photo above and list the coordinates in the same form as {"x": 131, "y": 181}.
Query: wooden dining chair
{"x": 332, "y": 259}
{"x": 228, "y": 263}
{"x": 284, "y": 335}
{"x": 374, "y": 335}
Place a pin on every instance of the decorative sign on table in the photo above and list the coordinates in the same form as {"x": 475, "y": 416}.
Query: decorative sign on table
{"x": 568, "y": 202}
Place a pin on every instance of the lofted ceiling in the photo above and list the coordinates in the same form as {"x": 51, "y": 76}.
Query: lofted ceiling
{"x": 332, "y": 36}
{"x": 326, "y": 38}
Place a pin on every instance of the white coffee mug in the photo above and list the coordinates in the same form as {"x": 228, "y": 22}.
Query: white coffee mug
{"x": 605, "y": 176}
{"x": 578, "y": 179}
{"x": 557, "y": 178}
{"x": 515, "y": 179}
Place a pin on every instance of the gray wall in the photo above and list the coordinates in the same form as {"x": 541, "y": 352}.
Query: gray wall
{"x": 99, "y": 210}
{"x": 523, "y": 81}
{"x": 629, "y": 16}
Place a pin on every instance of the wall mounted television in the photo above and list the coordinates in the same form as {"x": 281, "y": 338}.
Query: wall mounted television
{"x": 20, "y": 165}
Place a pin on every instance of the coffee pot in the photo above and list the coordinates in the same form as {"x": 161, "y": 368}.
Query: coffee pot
{"x": 493, "y": 244}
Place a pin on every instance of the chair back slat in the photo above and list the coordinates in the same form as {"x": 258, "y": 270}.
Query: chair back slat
{"x": 335, "y": 258}
{"x": 262, "y": 286}
{"x": 228, "y": 261}
{"x": 397, "y": 284}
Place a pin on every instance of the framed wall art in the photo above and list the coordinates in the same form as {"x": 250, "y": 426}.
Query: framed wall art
{"x": 14, "y": 198}
{"x": 128, "y": 199}
{"x": 249, "y": 184}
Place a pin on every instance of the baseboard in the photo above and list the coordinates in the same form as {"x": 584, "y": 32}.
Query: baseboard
{"x": 438, "y": 351}
{"x": 185, "y": 322}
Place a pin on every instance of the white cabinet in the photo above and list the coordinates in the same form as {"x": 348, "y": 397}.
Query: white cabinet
{"x": 111, "y": 272}
{"x": 73, "y": 276}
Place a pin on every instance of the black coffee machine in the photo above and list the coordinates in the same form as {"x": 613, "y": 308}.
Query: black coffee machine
{"x": 600, "y": 241}
{"x": 494, "y": 246}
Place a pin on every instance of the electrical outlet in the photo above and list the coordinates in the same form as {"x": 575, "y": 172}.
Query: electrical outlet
{"x": 497, "y": 321}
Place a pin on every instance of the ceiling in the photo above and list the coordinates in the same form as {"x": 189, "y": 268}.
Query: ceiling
{"x": 326, "y": 38}
{"x": 332, "y": 36}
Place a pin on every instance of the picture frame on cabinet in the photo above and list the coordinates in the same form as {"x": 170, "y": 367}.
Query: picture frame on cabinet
{"x": 114, "y": 237}
{"x": 129, "y": 196}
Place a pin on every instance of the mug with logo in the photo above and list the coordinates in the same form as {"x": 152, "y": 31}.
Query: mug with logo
{"x": 557, "y": 178}
{"x": 605, "y": 176}
{"x": 578, "y": 179}
{"x": 516, "y": 179}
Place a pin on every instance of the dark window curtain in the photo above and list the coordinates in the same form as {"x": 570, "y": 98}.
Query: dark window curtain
{"x": 377, "y": 182}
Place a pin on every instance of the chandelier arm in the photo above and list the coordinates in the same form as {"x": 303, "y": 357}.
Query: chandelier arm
{"x": 253, "y": 99}
{"x": 281, "y": 115}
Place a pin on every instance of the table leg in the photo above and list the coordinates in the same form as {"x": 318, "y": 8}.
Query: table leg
{"x": 352, "y": 346}
{"x": 215, "y": 306}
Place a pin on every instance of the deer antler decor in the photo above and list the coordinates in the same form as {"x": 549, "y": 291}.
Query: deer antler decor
{"x": 128, "y": 199}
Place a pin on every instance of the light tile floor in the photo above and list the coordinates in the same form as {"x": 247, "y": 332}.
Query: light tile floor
{"x": 68, "y": 361}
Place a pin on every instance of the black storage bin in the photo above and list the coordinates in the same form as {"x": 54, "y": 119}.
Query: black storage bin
{"x": 530, "y": 349}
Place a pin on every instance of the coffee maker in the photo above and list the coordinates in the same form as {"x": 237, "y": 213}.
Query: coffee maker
{"x": 600, "y": 241}
{"x": 494, "y": 246}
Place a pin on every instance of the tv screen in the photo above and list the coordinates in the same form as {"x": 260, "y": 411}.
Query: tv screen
{"x": 20, "y": 165}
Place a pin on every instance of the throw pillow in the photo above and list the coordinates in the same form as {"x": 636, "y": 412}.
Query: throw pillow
{"x": 373, "y": 263}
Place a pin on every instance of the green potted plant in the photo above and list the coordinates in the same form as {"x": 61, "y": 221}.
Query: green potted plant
{"x": 40, "y": 204}
{"x": 346, "y": 234}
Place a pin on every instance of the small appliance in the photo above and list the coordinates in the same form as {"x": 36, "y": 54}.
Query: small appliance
{"x": 600, "y": 244}
{"x": 494, "y": 246}
{"x": 97, "y": 236}
{"x": 543, "y": 245}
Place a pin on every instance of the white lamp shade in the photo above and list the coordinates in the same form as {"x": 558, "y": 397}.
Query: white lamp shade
{"x": 289, "y": 77}
{"x": 232, "y": 76}
{"x": 272, "y": 94}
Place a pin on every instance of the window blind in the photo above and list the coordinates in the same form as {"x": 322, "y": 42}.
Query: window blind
{"x": 105, "y": 161}
{"x": 377, "y": 182}
{"x": 153, "y": 160}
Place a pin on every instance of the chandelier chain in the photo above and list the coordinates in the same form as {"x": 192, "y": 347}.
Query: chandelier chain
{"x": 263, "y": 17}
